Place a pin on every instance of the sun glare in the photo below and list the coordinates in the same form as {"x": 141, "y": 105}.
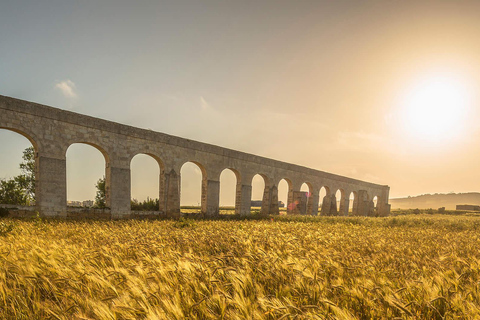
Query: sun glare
{"x": 436, "y": 108}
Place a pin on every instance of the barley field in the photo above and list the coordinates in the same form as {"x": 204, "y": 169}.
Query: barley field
{"x": 282, "y": 267}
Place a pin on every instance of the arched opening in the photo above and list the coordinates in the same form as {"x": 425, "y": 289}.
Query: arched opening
{"x": 375, "y": 208}
{"x": 339, "y": 197}
{"x": 18, "y": 163}
{"x": 192, "y": 175}
{"x": 86, "y": 185}
{"x": 258, "y": 190}
{"x": 228, "y": 191}
{"x": 353, "y": 203}
{"x": 145, "y": 173}
{"x": 284, "y": 193}
{"x": 324, "y": 191}
{"x": 304, "y": 205}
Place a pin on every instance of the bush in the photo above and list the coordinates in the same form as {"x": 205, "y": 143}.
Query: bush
{"x": 416, "y": 211}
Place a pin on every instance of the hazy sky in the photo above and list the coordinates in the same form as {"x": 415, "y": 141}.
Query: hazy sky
{"x": 383, "y": 91}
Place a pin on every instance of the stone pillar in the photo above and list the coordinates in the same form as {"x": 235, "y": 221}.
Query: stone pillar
{"x": 117, "y": 191}
{"x": 270, "y": 200}
{"x": 266, "y": 200}
{"x": 344, "y": 203}
{"x": 312, "y": 203}
{"x": 383, "y": 207}
{"x": 326, "y": 204}
{"x": 243, "y": 199}
{"x": 329, "y": 205}
{"x": 51, "y": 185}
{"x": 290, "y": 199}
{"x": 171, "y": 194}
{"x": 355, "y": 206}
{"x": 161, "y": 192}
{"x": 210, "y": 197}
{"x": 363, "y": 203}
{"x": 299, "y": 203}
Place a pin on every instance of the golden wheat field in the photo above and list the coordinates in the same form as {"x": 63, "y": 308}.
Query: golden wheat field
{"x": 277, "y": 268}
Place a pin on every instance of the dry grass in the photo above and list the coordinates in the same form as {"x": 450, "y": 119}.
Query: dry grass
{"x": 315, "y": 268}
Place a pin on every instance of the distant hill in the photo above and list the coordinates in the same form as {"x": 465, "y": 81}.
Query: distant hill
{"x": 435, "y": 201}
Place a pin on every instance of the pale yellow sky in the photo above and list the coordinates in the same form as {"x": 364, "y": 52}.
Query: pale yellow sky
{"x": 383, "y": 91}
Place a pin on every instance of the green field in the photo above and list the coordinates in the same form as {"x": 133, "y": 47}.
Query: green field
{"x": 282, "y": 267}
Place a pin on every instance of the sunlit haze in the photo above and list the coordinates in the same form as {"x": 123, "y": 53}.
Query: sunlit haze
{"x": 382, "y": 91}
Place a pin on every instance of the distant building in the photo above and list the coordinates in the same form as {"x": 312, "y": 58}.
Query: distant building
{"x": 258, "y": 203}
{"x": 85, "y": 204}
{"x": 468, "y": 207}
{"x": 74, "y": 203}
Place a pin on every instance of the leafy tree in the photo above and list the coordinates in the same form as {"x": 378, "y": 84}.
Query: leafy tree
{"x": 21, "y": 189}
{"x": 28, "y": 172}
{"x": 12, "y": 193}
{"x": 100, "y": 197}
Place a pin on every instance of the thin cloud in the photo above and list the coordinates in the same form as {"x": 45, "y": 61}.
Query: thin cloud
{"x": 204, "y": 104}
{"x": 68, "y": 88}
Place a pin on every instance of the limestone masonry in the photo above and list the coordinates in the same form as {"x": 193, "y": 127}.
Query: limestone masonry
{"x": 51, "y": 131}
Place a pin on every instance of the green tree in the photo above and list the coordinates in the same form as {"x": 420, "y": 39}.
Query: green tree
{"x": 20, "y": 190}
{"x": 100, "y": 197}
{"x": 28, "y": 173}
{"x": 12, "y": 193}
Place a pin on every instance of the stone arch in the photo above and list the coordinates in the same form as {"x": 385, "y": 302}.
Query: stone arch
{"x": 197, "y": 187}
{"x": 159, "y": 185}
{"x": 26, "y": 134}
{"x": 261, "y": 196}
{"x": 374, "y": 205}
{"x": 288, "y": 199}
{"x": 302, "y": 202}
{"x": 324, "y": 196}
{"x": 231, "y": 180}
{"x": 342, "y": 202}
{"x": 29, "y": 195}
{"x": 102, "y": 150}
{"x": 353, "y": 203}
{"x": 72, "y": 189}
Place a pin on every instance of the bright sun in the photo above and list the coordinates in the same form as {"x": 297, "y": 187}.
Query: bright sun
{"x": 436, "y": 108}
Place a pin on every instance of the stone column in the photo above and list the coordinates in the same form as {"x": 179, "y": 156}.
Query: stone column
{"x": 243, "y": 199}
{"x": 355, "y": 206}
{"x": 51, "y": 185}
{"x": 171, "y": 198}
{"x": 312, "y": 203}
{"x": 363, "y": 203}
{"x": 117, "y": 191}
{"x": 210, "y": 197}
{"x": 161, "y": 192}
{"x": 299, "y": 203}
{"x": 329, "y": 206}
{"x": 344, "y": 202}
{"x": 290, "y": 200}
{"x": 270, "y": 200}
{"x": 326, "y": 204}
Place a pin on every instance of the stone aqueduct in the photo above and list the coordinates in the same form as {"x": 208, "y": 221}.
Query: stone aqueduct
{"x": 51, "y": 131}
